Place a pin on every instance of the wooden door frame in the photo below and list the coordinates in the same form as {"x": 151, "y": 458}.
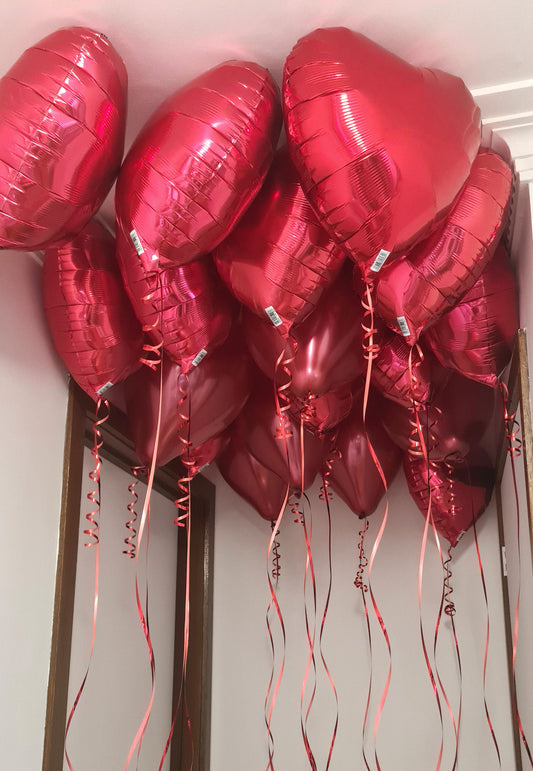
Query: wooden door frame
{"x": 518, "y": 397}
{"x": 118, "y": 449}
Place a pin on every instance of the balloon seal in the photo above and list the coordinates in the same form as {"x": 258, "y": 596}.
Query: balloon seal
{"x": 200, "y": 356}
{"x": 136, "y": 242}
{"x": 273, "y": 316}
{"x": 380, "y": 260}
{"x": 460, "y": 536}
{"x": 404, "y": 326}
{"x": 101, "y": 391}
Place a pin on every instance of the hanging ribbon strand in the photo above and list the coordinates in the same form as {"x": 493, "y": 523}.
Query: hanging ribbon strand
{"x": 273, "y": 688}
{"x": 129, "y": 541}
{"x": 276, "y": 568}
{"x": 370, "y": 351}
{"x": 156, "y": 363}
{"x": 183, "y": 519}
{"x": 419, "y": 449}
{"x": 326, "y": 495}
{"x": 92, "y": 532}
{"x": 447, "y": 606}
{"x": 514, "y": 448}
{"x": 487, "y": 640}
{"x": 359, "y": 583}
{"x": 310, "y": 628}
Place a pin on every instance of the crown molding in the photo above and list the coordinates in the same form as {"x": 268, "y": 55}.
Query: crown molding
{"x": 507, "y": 108}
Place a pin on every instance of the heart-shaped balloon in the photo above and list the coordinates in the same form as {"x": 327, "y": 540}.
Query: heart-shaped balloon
{"x": 257, "y": 484}
{"x": 62, "y": 125}
{"x": 185, "y": 305}
{"x": 198, "y": 163}
{"x": 322, "y": 413}
{"x": 476, "y": 336}
{"x": 382, "y": 147}
{"x": 455, "y": 505}
{"x": 328, "y": 343}
{"x": 278, "y": 259}
{"x": 198, "y": 458}
{"x": 413, "y": 293}
{"x": 464, "y": 415}
{"x": 90, "y": 317}
{"x": 354, "y": 475}
{"x": 212, "y": 395}
{"x": 283, "y": 455}
{"x": 401, "y": 374}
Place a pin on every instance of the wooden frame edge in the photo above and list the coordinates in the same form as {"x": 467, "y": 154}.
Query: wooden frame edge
{"x": 67, "y": 558}
{"x": 118, "y": 449}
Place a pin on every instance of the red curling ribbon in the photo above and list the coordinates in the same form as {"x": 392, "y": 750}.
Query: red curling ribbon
{"x": 418, "y": 448}
{"x": 310, "y": 629}
{"x": 514, "y": 448}
{"x": 129, "y": 541}
{"x": 370, "y": 351}
{"x": 379, "y": 617}
{"x": 359, "y": 584}
{"x": 487, "y": 638}
{"x": 281, "y": 390}
{"x": 363, "y": 562}
{"x": 448, "y": 607}
{"x": 152, "y": 358}
{"x": 92, "y": 532}
{"x": 276, "y": 568}
{"x": 273, "y": 688}
{"x": 156, "y": 363}
{"x": 370, "y": 347}
{"x": 183, "y": 519}
{"x": 325, "y": 495}
{"x": 429, "y": 518}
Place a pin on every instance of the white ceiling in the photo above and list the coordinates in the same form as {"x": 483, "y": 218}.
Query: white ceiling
{"x": 166, "y": 42}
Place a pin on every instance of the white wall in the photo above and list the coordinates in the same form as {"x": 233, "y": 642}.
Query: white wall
{"x": 33, "y": 395}
{"x": 118, "y": 688}
{"x": 409, "y": 735}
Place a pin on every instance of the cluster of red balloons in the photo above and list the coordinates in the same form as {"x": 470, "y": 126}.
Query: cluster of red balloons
{"x": 265, "y": 274}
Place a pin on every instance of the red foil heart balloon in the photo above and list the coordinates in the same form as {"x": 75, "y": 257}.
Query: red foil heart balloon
{"x": 200, "y": 457}
{"x": 454, "y": 504}
{"x": 62, "y": 124}
{"x": 354, "y": 475}
{"x": 476, "y": 336}
{"x": 322, "y": 413}
{"x": 382, "y": 148}
{"x": 197, "y": 164}
{"x": 463, "y": 415}
{"x": 257, "y": 484}
{"x": 185, "y": 305}
{"x": 90, "y": 317}
{"x": 213, "y": 394}
{"x": 328, "y": 343}
{"x": 283, "y": 456}
{"x": 278, "y": 260}
{"x": 396, "y": 379}
{"x": 413, "y": 293}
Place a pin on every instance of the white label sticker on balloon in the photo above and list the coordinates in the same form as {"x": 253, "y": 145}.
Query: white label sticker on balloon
{"x": 199, "y": 357}
{"x": 101, "y": 391}
{"x": 273, "y": 316}
{"x": 380, "y": 260}
{"x": 136, "y": 242}
{"x": 404, "y": 327}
